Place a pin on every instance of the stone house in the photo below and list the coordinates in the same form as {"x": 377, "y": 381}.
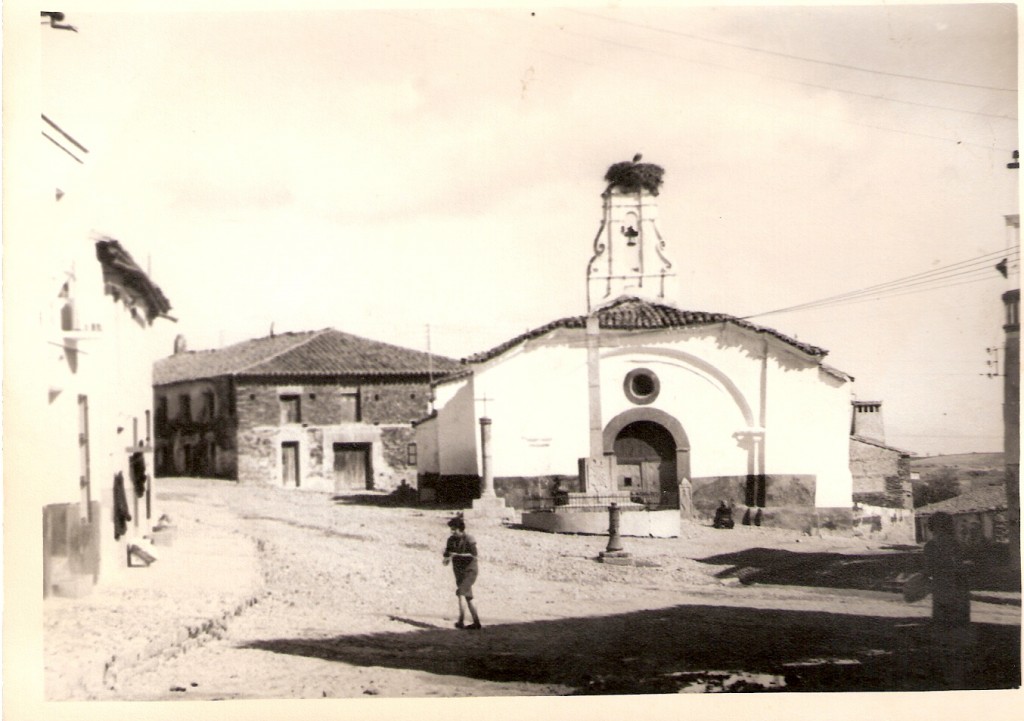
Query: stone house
{"x": 980, "y": 517}
{"x": 883, "y": 499}
{"x": 881, "y": 473}
{"x": 320, "y": 410}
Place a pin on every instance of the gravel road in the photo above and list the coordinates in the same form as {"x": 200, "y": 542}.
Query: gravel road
{"x": 357, "y": 603}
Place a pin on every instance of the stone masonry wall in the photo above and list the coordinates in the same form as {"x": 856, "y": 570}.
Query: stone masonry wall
{"x": 394, "y": 403}
{"x": 788, "y": 499}
{"x": 256, "y": 405}
{"x": 395, "y": 441}
{"x": 321, "y": 403}
{"x": 385, "y": 409}
{"x": 257, "y": 455}
{"x": 881, "y": 476}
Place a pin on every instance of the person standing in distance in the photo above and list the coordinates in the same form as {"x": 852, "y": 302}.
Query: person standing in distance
{"x": 945, "y": 565}
{"x": 461, "y": 552}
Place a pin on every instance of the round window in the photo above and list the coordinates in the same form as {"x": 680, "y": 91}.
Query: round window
{"x": 641, "y": 386}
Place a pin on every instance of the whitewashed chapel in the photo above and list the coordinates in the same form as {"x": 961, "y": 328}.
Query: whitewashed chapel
{"x": 638, "y": 398}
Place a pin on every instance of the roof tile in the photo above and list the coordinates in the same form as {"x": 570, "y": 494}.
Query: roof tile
{"x": 633, "y": 313}
{"x": 988, "y": 498}
{"x": 326, "y": 352}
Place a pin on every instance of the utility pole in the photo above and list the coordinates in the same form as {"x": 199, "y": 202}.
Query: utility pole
{"x": 1011, "y": 383}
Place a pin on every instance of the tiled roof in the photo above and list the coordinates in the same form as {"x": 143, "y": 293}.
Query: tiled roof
{"x": 636, "y": 314}
{"x": 880, "y": 444}
{"x": 326, "y": 352}
{"x": 988, "y": 498}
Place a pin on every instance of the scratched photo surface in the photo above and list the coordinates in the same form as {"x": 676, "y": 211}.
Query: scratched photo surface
{"x": 508, "y": 361}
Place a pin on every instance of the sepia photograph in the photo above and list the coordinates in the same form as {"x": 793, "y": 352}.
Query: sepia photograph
{"x": 577, "y": 361}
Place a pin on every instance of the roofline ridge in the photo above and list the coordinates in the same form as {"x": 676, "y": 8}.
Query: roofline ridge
{"x": 525, "y": 336}
{"x": 289, "y": 349}
{"x": 390, "y": 344}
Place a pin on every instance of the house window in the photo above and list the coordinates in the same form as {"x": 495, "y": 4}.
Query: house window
{"x": 411, "y": 454}
{"x": 161, "y": 410}
{"x": 185, "y": 407}
{"x": 208, "y": 405}
{"x": 349, "y": 408}
{"x": 290, "y": 409}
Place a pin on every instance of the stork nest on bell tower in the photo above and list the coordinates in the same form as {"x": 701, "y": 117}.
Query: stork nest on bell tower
{"x": 633, "y": 176}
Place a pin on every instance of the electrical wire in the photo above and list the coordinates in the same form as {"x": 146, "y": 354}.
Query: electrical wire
{"x": 987, "y": 146}
{"x": 789, "y": 56}
{"x": 966, "y": 272}
{"x": 880, "y": 296}
{"x": 890, "y": 288}
{"x": 984, "y": 273}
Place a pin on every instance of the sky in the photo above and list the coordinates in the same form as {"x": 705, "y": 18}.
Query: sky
{"x": 385, "y": 172}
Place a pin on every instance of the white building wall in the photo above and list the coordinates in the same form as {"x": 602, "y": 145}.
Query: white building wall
{"x": 711, "y": 400}
{"x": 428, "y": 459}
{"x": 716, "y": 381}
{"x": 457, "y": 429}
{"x": 539, "y": 410}
{"x": 807, "y": 430}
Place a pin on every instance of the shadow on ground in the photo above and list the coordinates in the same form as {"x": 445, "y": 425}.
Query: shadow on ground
{"x": 871, "y": 572}
{"x": 694, "y": 648}
{"x": 396, "y": 499}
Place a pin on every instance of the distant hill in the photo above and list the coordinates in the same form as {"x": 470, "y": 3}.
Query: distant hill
{"x": 964, "y": 462}
{"x": 970, "y": 470}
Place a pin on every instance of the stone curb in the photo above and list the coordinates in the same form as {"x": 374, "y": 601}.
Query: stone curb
{"x": 172, "y": 643}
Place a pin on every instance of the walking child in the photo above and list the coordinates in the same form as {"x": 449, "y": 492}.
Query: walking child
{"x": 461, "y": 552}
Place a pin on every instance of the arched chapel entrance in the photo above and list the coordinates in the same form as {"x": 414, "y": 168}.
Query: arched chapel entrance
{"x": 645, "y": 463}
{"x": 651, "y": 454}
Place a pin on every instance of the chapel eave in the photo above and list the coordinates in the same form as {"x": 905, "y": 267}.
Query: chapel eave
{"x": 635, "y": 314}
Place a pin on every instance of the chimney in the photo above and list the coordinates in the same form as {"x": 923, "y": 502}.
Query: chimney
{"x": 867, "y": 421}
{"x": 180, "y": 346}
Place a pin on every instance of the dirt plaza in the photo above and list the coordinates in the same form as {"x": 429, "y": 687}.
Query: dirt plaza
{"x": 276, "y": 594}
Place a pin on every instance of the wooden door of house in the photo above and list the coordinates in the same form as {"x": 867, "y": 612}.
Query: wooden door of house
{"x": 352, "y": 467}
{"x": 645, "y": 459}
{"x": 290, "y": 463}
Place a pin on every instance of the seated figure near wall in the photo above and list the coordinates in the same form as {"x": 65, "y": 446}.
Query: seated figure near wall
{"x": 723, "y": 516}
{"x": 560, "y": 497}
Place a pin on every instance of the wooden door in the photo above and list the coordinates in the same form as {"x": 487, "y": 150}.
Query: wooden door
{"x": 290, "y": 463}
{"x": 645, "y": 463}
{"x": 629, "y": 476}
{"x": 352, "y": 467}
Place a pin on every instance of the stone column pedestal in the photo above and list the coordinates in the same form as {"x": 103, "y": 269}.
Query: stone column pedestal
{"x": 491, "y": 508}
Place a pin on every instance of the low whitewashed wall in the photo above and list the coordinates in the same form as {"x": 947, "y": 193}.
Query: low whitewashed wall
{"x": 646, "y": 524}
{"x": 879, "y": 522}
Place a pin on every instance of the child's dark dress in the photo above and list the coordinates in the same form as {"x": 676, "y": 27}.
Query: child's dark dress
{"x": 465, "y": 568}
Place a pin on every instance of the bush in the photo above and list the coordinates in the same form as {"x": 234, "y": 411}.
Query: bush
{"x": 938, "y": 486}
